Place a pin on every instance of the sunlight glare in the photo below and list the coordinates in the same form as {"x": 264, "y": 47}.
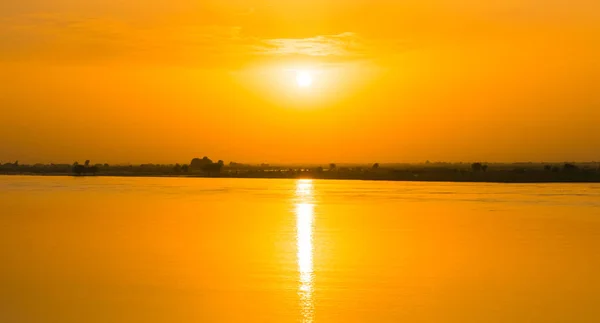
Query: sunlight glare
{"x": 304, "y": 79}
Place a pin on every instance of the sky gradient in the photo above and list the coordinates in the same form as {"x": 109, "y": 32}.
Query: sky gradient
{"x": 394, "y": 81}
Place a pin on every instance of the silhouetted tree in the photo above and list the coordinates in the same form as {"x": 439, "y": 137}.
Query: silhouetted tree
{"x": 184, "y": 168}
{"x": 212, "y": 169}
{"x": 177, "y": 168}
{"x": 548, "y": 168}
{"x": 87, "y": 163}
{"x": 332, "y": 166}
{"x": 78, "y": 169}
{"x": 476, "y": 167}
{"x": 484, "y": 168}
{"x": 376, "y": 166}
{"x": 93, "y": 170}
{"x": 570, "y": 167}
{"x": 198, "y": 163}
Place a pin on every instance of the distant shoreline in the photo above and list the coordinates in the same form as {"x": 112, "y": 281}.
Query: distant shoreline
{"x": 481, "y": 179}
{"x": 428, "y": 172}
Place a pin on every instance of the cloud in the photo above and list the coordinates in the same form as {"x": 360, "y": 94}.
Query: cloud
{"x": 346, "y": 44}
{"x": 76, "y": 39}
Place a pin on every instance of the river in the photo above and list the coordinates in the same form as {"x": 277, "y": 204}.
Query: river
{"x": 154, "y": 250}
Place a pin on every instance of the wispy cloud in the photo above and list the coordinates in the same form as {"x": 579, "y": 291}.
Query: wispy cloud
{"x": 346, "y": 44}
{"x": 64, "y": 38}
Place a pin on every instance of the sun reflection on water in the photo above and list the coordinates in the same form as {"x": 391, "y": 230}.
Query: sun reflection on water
{"x": 304, "y": 244}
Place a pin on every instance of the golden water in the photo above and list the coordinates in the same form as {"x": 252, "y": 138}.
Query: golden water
{"x": 234, "y": 250}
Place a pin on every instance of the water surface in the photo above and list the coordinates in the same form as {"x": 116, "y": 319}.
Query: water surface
{"x": 157, "y": 250}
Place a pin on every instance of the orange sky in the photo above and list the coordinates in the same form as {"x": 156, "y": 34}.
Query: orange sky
{"x": 393, "y": 81}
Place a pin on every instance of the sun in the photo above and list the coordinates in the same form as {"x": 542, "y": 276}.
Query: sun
{"x": 304, "y": 79}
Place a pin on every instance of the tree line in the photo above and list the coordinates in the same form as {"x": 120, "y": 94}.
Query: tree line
{"x": 206, "y": 167}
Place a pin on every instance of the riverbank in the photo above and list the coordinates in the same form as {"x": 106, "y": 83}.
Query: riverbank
{"x": 491, "y": 177}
